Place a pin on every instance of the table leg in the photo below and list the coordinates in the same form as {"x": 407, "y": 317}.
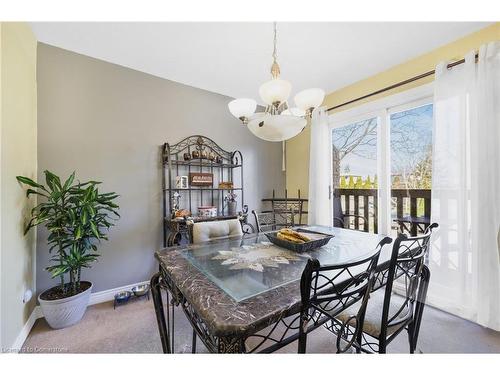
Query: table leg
{"x": 173, "y": 326}
{"x": 160, "y": 315}
{"x": 193, "y": 343}
{"x": 172, "y": 239}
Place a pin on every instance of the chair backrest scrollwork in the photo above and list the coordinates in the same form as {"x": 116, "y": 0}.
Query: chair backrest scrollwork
{"x": 267, "y": 221}
{"x": 327, "y": 290}
{"x": 407, "y": 261}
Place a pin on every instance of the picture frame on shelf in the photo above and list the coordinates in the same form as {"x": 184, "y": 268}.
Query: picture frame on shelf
{"x": 201, "y": 179}
{"x": 181, "y": 182}
{"x": 226, "y": 185}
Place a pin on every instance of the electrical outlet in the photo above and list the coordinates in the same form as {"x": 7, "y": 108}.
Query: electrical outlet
{"x": 27, "y": 295}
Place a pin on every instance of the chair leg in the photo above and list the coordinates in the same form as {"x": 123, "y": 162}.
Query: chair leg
{"x": 359, "y": 340}
{"x": 382, "y": 347}
{"x": 411, "y": 329}
{"x": 302, "y": 336}
{"x": 193, "y": 345}
{"x": 302, "y": 343}
{"x": 419, "y": 310}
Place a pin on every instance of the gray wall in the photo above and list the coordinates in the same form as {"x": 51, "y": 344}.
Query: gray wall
{"x": 107, "y": 122}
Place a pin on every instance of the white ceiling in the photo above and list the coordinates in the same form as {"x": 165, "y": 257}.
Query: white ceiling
{"x": 234, "y": 58}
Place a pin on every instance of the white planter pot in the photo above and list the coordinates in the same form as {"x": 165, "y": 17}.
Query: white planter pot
{"x": 65, "y": 312}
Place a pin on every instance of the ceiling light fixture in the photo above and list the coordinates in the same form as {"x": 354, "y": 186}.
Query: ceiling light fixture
{"x": 278, "y": 122}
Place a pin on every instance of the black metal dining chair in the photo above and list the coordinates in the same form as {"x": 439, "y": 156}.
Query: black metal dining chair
{"x": 341, "y": 219}
{"x": 399, "y": 305}
{"x": 328, "y": 289}
{"x": 267, "y": 221}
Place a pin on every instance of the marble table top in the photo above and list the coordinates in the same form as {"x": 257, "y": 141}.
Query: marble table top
{"x": 241, "y": 285}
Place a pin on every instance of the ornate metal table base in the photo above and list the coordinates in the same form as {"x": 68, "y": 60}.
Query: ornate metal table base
{"x": 278, "y": 334}
{"x": 278, "y": 338}
{"x": 166, "y": 321}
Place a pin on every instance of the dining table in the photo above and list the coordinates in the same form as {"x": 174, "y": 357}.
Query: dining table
{"x": 242, "y": 294}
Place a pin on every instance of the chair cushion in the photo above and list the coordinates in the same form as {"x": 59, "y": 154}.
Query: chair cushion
{"x": 373, "y": 315}
{"x": 213, "y": 230}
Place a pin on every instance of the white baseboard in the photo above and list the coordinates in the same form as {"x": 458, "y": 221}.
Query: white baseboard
{"x": 18, "y": 344}
{"x": 109, "y": 295}
{"x": 95, "y": 298}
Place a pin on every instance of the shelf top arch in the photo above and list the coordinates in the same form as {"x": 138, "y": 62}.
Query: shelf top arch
{"x": 198, "y": 143}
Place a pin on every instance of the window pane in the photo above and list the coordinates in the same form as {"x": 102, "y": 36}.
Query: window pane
{"x": 411, "y": 169}
{"x": 355, "y": 175}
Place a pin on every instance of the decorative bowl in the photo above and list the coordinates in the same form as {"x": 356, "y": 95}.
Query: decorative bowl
{"x": 123, "y": 296}
{"x": 140, "y": 290}
{"x": 317, "y": 240}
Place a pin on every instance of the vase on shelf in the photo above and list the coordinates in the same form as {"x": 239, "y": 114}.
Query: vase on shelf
{"x": 231, "y": 208}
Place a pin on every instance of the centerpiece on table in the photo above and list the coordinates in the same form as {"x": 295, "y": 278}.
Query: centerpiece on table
{"x": 77, "y": 217}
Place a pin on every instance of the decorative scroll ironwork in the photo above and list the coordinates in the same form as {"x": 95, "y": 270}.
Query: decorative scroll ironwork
{"x": 328, "y": 290}
{"x": 273, "y": 220}
{"x": 210, "y": 341}
{"x": 231, "y": 345}
{"x": 275, "y": 334}
{"x": 197, "y": 154}
{"x": 288, "y": 204}
{"x": 287, "y": 207}
{"x": 347, "y": 332}
{"x": 199, "y": 143}
{"x": 292, "y": 324}
{"x": 407, "y": 266}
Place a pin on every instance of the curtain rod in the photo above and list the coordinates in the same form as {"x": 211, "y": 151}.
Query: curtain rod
{"x": 402, "y": 83}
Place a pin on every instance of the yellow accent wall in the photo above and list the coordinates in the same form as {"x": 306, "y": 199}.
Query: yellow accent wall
{"x": 297, "y": 155}
{"x": 18, "y": 156}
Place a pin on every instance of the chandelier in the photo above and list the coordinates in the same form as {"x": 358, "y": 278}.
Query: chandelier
{"x": 279, "y": 121}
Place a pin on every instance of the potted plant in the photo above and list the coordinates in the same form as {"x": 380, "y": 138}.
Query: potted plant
{"x": 77, "y": 217}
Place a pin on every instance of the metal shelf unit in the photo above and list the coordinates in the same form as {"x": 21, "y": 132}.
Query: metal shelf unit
{"x": 225, "y": 166}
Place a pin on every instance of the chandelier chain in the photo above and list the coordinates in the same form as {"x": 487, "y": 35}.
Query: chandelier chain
{"x": 275, "y": 42}
{"x": 275, "y": 68}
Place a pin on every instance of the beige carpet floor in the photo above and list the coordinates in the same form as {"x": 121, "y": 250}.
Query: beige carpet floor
{"x": 132, "y": 328}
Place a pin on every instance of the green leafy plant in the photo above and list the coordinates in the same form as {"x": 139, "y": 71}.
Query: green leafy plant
{"x": 77, "y": 217}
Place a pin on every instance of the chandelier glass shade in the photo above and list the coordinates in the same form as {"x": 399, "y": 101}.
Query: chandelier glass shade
{"x": 275, "y": 91}
{"x": 278, "y": 122}
{"x": 310, "y": 98}
{"x": 242, "y": 108}
{"x": 276, "y": 128}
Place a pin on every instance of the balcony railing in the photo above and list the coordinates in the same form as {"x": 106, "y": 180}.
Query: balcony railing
{"x": 410, "y": 209}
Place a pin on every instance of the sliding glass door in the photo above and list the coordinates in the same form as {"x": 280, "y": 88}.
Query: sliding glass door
{"x": 354, "y": 180}
{"x": 411, "y": 168}
{"x": 382, "y": 165}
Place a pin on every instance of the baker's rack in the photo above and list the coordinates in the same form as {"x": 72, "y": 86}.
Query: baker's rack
{"x": 225, "y": 166}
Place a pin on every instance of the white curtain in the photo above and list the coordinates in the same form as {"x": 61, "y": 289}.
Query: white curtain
{"x": 319, "y": 170}
{"x": 465, "y": 256}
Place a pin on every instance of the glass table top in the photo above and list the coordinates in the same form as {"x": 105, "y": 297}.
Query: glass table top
{"x": 245, "y": 267}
